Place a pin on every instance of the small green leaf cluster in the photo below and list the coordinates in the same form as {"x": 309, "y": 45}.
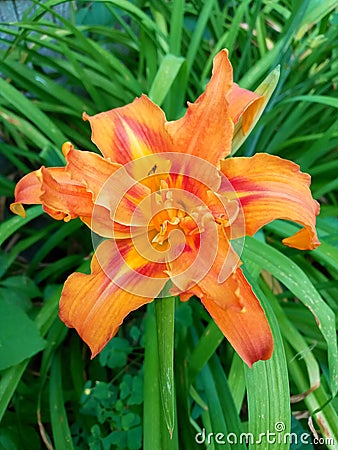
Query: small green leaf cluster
{"x": 115, "y": 406}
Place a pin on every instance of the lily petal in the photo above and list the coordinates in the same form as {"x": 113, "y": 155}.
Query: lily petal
{"x": 229, "y": 299}
{"x": 269, "y": 188}
{"x": 245, "y": 104}
{"x": 115, "y": 193}
{"x": 64, "y": 197}
{"x": 204, "y": 269}
{"x": 122, "y": 195}
{"x": 97, "y": 304}
{"x": 247, "y": 329}
{"x": 130, "y": 132}
{"x": 61, "y": 197}
{"x": 27, "y": 191}
{"x": 101, "y": 223}
{"x": 247, "y": 120}
{"x": 206, "y": 129}
{"x": 88, "y": 168}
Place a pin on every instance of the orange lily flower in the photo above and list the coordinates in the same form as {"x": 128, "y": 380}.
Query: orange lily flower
{"x": 163, "y": 203}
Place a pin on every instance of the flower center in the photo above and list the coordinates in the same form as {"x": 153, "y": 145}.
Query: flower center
{"x": 177, "y": 209}
{"x": 183, "y": 203}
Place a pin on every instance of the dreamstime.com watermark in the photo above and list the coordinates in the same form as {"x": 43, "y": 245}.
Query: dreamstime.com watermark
{"x": 278, "y": 436}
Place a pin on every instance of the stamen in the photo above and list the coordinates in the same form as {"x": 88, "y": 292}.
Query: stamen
{"x": 163, "y": 234}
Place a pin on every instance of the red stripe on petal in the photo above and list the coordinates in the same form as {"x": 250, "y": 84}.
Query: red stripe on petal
{"x": 96, "y": 304}
{"x": 206, "y": 129}
{"x": 129, "y": 132}
{"x": 269, "y": 188}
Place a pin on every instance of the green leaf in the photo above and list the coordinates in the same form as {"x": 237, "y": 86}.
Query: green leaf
{"x": 215, "y": 412}
{"x": 176, "y": 26}
{"x": 206, "y": 347}
{"x": 15, "y": 223}
{"x": 285, "y": 270}
{"x": 32, "y": 112}
{"x": 295, "y": 339}
{"x": 199, "y": 29}
{"x": 317, "y": 402}
{"x": 326, "y": 254}
{"x": 27, "y": 130}
{"x": 59, "y": 422}
{"x": 10, "y": 439}
{"x": 134, "y": 438}
{"x": 4, "y": 262}
{"x": 321, "y": 99}
{"x": 273, "y": 57}
{"x": 165, "y": 77}
{"x": 266, "y": 381}
{"x": 236, "y": 380}
{"x": 23, "y": 284}
{"x": 19, "y": 336}
{"x": 41, "y": 85}
{"x": 11, "y": 377}
{"x": 115, "y": 353}
{"x": 232, "y": 421}
{"x": 316, "y": 10}
{"x": 19, "y": 290}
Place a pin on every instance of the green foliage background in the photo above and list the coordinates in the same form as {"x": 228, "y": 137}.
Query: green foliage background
{"x": 100, "y": 57}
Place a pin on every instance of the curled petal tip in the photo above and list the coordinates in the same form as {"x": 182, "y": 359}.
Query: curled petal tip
{"x": 18, "y": 209}
{"x": 66, "y": 148}
{"x": 304, "y": 239}
{"x": 85, "y": 116}
{"x": 39, "y": 173}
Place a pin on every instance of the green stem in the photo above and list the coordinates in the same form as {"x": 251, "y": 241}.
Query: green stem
{"x": 160, "y": 421}
{"x": 165, "y": 315}
{"x": 152, "y": 403}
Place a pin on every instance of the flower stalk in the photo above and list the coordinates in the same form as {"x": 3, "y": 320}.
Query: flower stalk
{"x": 160, "y": 421}
{"x": 152, "y": 403}
{"x": 165, "y": 316}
